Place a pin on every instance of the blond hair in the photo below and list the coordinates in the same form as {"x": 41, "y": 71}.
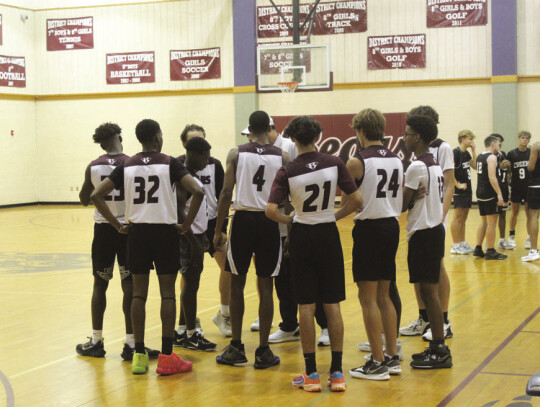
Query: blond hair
{"x": 465, "y": 133}
{"x": 372, "y": 122}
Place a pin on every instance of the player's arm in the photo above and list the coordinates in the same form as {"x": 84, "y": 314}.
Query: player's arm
{"x": 533, "y": 157}
{"x": 87, "y": 188}
{"x": 181, "y": 198}
{"x": 279, "y": 194}
{"x": 218, "y": 177}
{"x": 356, "y": 169}
{"x": 492, "y": 174}
{"x": 448, "y": 190}
{"x": 353, "y": 197}
{"x": 408, "y": 197}
{"x": 197, "y": 195}
{"x": 353, "y": 202}
{"x": 272, "y": 212}
{"x": 225, "y": 197}
{"x": 98, "y": 197}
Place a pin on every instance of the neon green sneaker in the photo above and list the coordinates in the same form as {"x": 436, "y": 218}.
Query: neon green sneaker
{"x": 139, "y": 365}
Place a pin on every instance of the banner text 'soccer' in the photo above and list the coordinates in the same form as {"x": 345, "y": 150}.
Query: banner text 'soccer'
{"x": 195, "y": 64}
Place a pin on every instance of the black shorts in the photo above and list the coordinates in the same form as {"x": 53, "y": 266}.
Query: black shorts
{"x": 150, "y": 244}
{"x": 252, "y": 233}
{"x": 533, "y": 198}
{"x": 426, "y": 251}
{"x": 316, "y": 263}
{"x": 463, "y": 201}
{"x": 210, "y": 233}
{"x": 107, "y": 245}
{"x": 519, "y": 195}
{"x": 188, "y": 263}
{"x": 488, "y": 207}
{"x": 375, "y": 244}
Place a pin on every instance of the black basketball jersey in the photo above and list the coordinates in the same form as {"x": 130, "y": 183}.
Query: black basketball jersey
{"x": 484, "y": 190}
{"x": 520, "y": 174}
{"x": 462, "y": 170}
{"x": 535, "y": 175}
{"x": 502, "y": 174}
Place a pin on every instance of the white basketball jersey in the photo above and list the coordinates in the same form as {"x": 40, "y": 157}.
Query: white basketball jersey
{"x": 200, "y": 223}
{"x": 255, "y": 171}
{"x": 289, "y": 147}
{"x": 443, "y": 154}
{"x": 100, "y": 169}
{"x": 382, "y": 184}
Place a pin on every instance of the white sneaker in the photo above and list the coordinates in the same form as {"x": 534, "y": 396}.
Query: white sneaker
{"x": 447, "y": 333}
{"x": 457, "y": 249}
{"x": 399, "y": 350}
{"x": 198, "y": 326}
{"x": 282, "y": 336}
{"x": 512, "y": 239}
{"x": 223, "y": 323}
{"x": 528, "y": 243}
{"x": 533, "y": 255}
{"x": 466, "y": 247}
{"x": 415, "y": 328}
{"x": 255, "y": 326}
{"x": 503, "y": 244}
{"x": 324, "y": 339}
{"x": 366, "y": 347}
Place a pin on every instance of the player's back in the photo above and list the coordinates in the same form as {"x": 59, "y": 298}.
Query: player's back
{"x": 443, "y": 154}
{"x": 484, "y": 190}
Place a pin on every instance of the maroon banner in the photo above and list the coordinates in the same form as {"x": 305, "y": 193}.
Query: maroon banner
{"x": 456, "y": 13}
{"x": 273, "y": 60}
{"x": 12, "y": 71}
{"x": 195, "y": 64}
{"x": 70, "y": 33}
{"x": 133, "y": 67}
{"x": 397, "y": 52}
{"x": 336, "y": 17}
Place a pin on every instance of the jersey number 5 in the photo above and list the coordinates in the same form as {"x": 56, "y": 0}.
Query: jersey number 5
{"x": 141, "y": 190}
{"x": 393, "y": 185}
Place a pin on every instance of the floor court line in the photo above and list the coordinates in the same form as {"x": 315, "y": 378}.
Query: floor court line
{"x": 507, "y": 374}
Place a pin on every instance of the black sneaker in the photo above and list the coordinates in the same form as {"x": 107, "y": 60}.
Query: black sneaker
{"x": 89, "y": 349}
{"x": 478, "y": 252}
{"x": 495, "y": 255}
{"x": 232, "y": 356}
{"x": 421, "y": 355}
{"x": 127, "y": 353}
{"x": 435, "y": 358}
{"x": 178, "y": 340}
{"x": 371, "y": 371}
{"x": 265, "y": 358}
{"x": 198, "y": 342}
{"x": 393, "y": 365}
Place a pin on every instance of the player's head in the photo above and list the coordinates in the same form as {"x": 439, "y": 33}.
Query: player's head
{"x": 149, "y": 134}
{"x": 304, "y": 130}
{"x": 420, "y": 129}
{"x": 107, "y": 135}
{"x": 371, "y": 123}
{"x": 425, "y": 111}
{"x": 466, "y": 137}
{"x": 190, "y": 131}
{"x": 524, "y": 138}
{"x": 259, "y": 123}
{"x": 492, "y": 143}
{"x": 197, "y": 153}
{"x": 499, "y": 137}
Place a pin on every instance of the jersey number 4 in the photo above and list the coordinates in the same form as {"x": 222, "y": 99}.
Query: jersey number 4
{"x": 258, "y": 178}
{"x": 141, "y": 190}
{"x": 393, "y": 185}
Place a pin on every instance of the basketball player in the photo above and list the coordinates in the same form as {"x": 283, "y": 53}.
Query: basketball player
{"x": 503, "y": 176}
{"x": 251, "y": 167}
{"x": 533, "y": 200}
{"x": 463, "y": 161}
{"x": 519, "y": 183}
{"x": 108, "y": 244}
{"x": 426, "y": 234}
{"x": 149, "y": 179}
{"x": 379, "y": 172}
{"x": 316, "y": 256}
{"x": 489, "y": 196}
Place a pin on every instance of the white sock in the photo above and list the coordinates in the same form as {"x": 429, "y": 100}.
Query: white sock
{"x": 97, "y": 335}
{"x": 190, "y": 332}
{"x": 180, "y": 329}
{"x": 130, "y": 340}
{"x": 225, "y": 310}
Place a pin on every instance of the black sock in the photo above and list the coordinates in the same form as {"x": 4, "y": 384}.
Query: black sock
{"x": 423, "y": 314}
{"x": 445, "y": 315}
{"x": 512, "y": 233}
{"x": 139, "y": 347}
{"x": 237, "y": 344}
{"x": 435, "y": 343}
{"x": 311, "y": 363}
{"x": 261, "y": 349}
{"x": 336, "y": 362}
{"x": 166, "y": 345}
{"x": 478, "y": 247}
{"x": 490, "y": 250}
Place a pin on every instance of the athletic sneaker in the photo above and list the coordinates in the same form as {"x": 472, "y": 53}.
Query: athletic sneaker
{"x": 139, "y": 364}
{"x": 232, "y": 356}
{"x": 494, "y": 255}
{"x": 393, "y": 365}
{"x": 255, "y": 326}
{"x": 282, "y": 336}
{"x": 223, "y": 323}
{"x": 324, "y": 339}
{"x": 447, "y": 333}
{"x": 478, "y": 252}
{"x": 95, "y": 350}
{"x": 399, "y": 350}
{"x": 128, "y": 351}
{"x": 336, "y": 381}
{"x": 265, "y": 359}
{"x": 528, "y": 242}
{"x": 457, "y": 248}
{"x": 532, "y": 256}
{"x": 421, "y": 355}
{"x": 198, "y": 326}
{"x": 198, "y": 342}
{"x": 434, "y": 358}
{"x": 415, "y": 328}
{"x": 172, "y": 364}
{"x": 466, "y": 247}
{"x": 311, "y": 383}
{"x": 371, "y": 371}
{"x": 178, "y": 339}
{"x": 503, "y": 244}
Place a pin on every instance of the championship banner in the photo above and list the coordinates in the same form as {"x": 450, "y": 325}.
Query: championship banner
{"x": 70, "y": 33}
{"x": 272, "y": 61}
{"x": 397, "y": 52}
{"x": 456, "y": 13}
{"x": 133, "y": 67}
{"x": 195, "y": 64}
{"x": 12, "y": 71}
{"x": 336, "y": 17}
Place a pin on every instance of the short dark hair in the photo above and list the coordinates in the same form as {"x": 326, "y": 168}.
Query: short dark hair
{"x": 372, "y": 122}
{"x": 259, "y": 122}
{"x": 146, "y": 130}
{"x": 490, "y": 139}
{"x": 198, "y": 145}
{"x": 425, "y": 111}
{"x": 105, "y": 132}
{"x": 188, "y": 128}
{"x": 501, "y": 138}
{"x": 305, "y": 129}
{"x": 424, "y": 125}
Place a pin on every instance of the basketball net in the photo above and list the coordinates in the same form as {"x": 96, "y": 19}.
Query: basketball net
{"x": 288, "y": 87}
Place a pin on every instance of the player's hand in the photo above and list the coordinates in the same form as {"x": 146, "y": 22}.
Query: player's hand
{"x": 505, "y": 164}
{"x": 222, "y": 243}
{"x": 472, "y": 146}
{"x": 420, "y": 192}
{"x": 500, "y": 201}
{"x": 220, "y": 239}
{"x": 462, "y": 186}
{"x": 124, "y": 229}
{"x": 183, "y": 228}
{"x": 290, "y": 218}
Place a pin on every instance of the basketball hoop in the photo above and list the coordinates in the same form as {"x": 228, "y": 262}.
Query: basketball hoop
{"x": 288, "y": 87}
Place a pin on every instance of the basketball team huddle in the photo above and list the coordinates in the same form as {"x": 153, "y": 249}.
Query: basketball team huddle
{"x": 157, "y": 212}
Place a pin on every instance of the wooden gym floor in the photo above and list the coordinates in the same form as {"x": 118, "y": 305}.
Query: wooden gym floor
{"x": 45, "y": 290}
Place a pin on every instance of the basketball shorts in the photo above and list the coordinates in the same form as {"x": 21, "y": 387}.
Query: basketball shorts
{"x": 210, "y": 234}
{"x": 107, "y": 245}
{"x": 463, "y": 201}
{"x": 519, "y": 195}
{"x": 153, "y": 244}
{"x": 316, "y": 263}
{"x": 188, "y": 263}
{"x": 488, "y": 207}
{"x": 253, "y": 234}
{"x": 533, "y": 198}
{"x": 375, "y": 244}
{"x": 426, "y": 251}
